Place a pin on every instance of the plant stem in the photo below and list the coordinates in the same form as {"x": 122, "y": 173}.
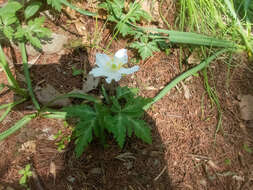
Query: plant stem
{"x": 27, "y": 75}
{"x": 186, "y": 74}
{"x": 6, "y": 69}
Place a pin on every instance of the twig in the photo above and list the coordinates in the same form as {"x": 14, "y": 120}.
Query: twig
{"x": 161, "y": 173}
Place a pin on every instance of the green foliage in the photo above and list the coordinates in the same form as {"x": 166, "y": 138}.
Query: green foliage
{"x": 121, "y": 116}
{"x": 145, "y": 47}
{"x": 7, "y": 18}
{"x": 56, "y": 4}
{"x": 32, "y": 9}
{"x": 33, "y": 32}
{"x": 117, "y": 14}
{"x": 26, "y": 173}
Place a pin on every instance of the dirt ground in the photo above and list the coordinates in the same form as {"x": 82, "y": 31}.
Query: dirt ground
{"x": 186, "y": 152}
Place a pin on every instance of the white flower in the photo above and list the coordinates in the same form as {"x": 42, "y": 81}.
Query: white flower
{"x": 112, "y": 68}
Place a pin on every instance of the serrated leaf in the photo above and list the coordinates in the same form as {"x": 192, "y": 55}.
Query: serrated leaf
{"x": 35, "y": 42}
{"x": 124, "y": 92}
{"x": 81, "y": 111}
{"x": 145, "y": 49}
{"x": 118, "y": 128}
{"x": 32, "y": 9}
{"x": 116, "y": 107}
{"x": 141, "y": 129}
{"x": 84, "y": 135}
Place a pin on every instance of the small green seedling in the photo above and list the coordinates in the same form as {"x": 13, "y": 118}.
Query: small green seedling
{"x": 227, "y": 161}
{"x": 76, "y": 72}
{"x": 247, "y": 148}
{"x": 26, "y": 173}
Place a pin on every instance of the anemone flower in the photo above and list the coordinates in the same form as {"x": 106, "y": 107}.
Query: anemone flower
{"x": 111, "y": 68}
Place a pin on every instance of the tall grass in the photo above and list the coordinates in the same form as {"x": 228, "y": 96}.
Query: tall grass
{"x": 225, "y": 19}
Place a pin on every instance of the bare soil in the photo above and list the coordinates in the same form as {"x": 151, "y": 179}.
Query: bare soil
{"x": 187, "y": 151}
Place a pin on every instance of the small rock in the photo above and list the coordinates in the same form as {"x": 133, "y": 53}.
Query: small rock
{"x": 246, "y": 107}
{"x": 96, "y": 171}
{"x": 53, "y": 46}
{"x": 48, "y": 93}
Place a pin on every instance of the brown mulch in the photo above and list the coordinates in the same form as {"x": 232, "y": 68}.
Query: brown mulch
{"x": 186, "y": 152}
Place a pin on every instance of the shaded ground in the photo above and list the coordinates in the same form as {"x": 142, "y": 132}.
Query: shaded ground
{"x": 185, "y": 153}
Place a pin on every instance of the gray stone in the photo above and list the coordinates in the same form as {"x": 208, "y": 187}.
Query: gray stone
{"x": 55, "y": 45}
{"x": 246, "y": 107}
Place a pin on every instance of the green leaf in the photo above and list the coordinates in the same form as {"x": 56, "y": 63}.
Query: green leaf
{"x": 84, "y": 135}
{"x": 56, "y": 4}
{"x": 34, "y": 41}
{"x": 8, "y": 32}
{"x": 9, "y": 19}
{"x": 117, "y": 126}
{"x": 141, "y": 129}
{"x": 32, "y": 9}
{"x": 27, "y": 167}
{"x": 83, "y": 130}
{"x": 82, "y": 111}
{"x": 22, "y": 180}
{"x": 21, "y": 172}
{"x": 145, "y": 49}
{"x": 10, "y": 8}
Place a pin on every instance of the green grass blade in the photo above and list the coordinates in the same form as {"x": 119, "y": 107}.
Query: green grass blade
{"x": 11, "y": 79}
{"x": 186, "y": 74}
{"x": 27, "y": 75}
{"x": 240, "y": 27}
{"x": 53, "y": 114}
{"x": 9, "y": 107}
{"x": 16, "y": 126}
{"x": 5, "y": 113}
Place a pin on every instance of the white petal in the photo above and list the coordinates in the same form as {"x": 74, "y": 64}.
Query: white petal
{"x": 129, "y": 70}
{"x": 97, "y": 72}
{"x": 108, "y": 80}
{"x": 102, "y": 59}
{"x": 121, "y": 56}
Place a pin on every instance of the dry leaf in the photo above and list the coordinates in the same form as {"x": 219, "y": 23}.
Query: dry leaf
{"x": 29, "y": 147}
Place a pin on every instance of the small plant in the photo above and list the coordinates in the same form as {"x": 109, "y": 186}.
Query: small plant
{"x": 62, "y": 140}
{"x": 120, "y": 115}
{"x": 26, "y": 174}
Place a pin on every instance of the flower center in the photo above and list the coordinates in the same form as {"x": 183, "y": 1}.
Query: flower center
{"x": 113, "y": 66}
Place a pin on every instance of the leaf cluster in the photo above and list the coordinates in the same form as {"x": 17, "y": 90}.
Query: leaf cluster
{"x": 26, "y": 173}
{"x": 17, "y": 25}
{"x": 118, "y": 14}
{"x": 126, "y": 18}
{"x": 120, "y": 115}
